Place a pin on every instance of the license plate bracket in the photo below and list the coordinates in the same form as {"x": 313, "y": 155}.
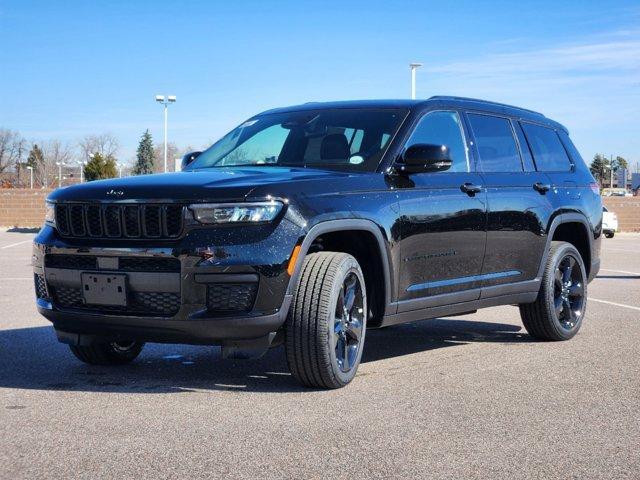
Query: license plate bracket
{"x": 104, "y": 289}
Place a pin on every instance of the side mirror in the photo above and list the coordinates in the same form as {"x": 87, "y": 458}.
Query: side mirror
{"x": 188, "y": 159}
{"x": 425, "y": 157}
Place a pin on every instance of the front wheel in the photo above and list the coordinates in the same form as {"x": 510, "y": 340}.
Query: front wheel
{"x": 326, "y": 325}
{"x": 559, "y": 309}
{"x": 113, "y": 353}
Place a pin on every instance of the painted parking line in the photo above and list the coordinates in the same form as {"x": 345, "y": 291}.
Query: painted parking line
{"x": 16, "y": 244}
{"x": 631, "y": 307}
{"x": 607, "y": 249}
{"x": 619, "y": 271}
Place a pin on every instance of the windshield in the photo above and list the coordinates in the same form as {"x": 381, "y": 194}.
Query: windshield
{"x": 345, "y": 139}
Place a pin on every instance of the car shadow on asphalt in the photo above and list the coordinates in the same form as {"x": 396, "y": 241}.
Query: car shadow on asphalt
{"x": 31, "y": 358}
{"x": 23, "y": 230}
{"x": 619, "y": 277}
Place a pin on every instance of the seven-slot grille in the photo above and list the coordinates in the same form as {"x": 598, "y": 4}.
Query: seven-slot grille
{"x": 119, "y": 221}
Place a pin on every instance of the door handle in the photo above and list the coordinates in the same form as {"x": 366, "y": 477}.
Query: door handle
{"x": 542, "y": 188}
{"x": 470, "y": 189}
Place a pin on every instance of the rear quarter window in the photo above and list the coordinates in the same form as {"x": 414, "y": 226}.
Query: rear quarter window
{"x": 547, "y": 149}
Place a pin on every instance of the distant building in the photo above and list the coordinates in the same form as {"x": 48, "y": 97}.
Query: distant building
{"x": 635, "y": 183}
{"x": 622, "y": 177}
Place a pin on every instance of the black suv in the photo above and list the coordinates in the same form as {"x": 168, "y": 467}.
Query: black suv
{"x": 306, "y": 225}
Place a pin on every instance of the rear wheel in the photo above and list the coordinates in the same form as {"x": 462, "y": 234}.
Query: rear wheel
{"x": 326, "y": 325}
{"x": 559, "y": 309}
{"x": 609, "y": 234}
{"x": 113, "y": 353}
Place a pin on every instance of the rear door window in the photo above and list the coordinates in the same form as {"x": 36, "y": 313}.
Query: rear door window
{"x": 495, "y": 144}
{"x": 548, "y": 151}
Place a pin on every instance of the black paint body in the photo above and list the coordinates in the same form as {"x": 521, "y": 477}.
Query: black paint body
{"x": 443, "y": 251}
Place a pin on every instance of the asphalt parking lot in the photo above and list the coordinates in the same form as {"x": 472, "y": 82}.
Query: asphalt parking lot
{"x": 469, "y": 397}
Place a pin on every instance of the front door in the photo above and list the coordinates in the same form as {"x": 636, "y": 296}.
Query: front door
{"x": 443, "y": 217}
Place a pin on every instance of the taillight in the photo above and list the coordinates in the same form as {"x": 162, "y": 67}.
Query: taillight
{"x": 595, "y": 188}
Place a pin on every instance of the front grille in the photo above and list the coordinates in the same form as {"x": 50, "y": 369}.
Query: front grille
{"x": 231, "y": 297}
{"x": 41, "y": 286}
{"x": 125, "y": 264}
{"x": 71, "y": 262}
{"x": 119, "y": 221}
{"x": 164, "y": 304}
{"x": 149, "y": 264}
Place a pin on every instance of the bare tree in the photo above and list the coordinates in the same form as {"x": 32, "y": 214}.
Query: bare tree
{"x": 12, "y": 148}
{"x": 158, "y": 157}
{"x": 53, "y": 152}
{"x": 106, "y": 145}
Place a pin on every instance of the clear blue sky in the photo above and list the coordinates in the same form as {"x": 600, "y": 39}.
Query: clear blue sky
{"x": 72, "y": 68}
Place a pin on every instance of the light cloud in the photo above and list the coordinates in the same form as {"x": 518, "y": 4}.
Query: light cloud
{"x": 592, "y": 86}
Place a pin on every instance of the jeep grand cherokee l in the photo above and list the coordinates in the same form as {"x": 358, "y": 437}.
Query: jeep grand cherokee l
{"x": 307, "y": 225}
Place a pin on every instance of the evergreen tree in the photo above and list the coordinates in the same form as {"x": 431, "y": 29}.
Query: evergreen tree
{"x": 620, "y": 162}
{"x": 599, "y": 167}
{"x": 35, "y": 158}
{"x": 100, "y": 167}
{"x": 144, "y": 156}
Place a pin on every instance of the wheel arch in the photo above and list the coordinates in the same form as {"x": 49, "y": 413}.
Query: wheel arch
{"x": 345, "y": 226}
{"x": 573, "y": 228}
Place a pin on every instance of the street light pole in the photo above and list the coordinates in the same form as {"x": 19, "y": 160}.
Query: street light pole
{"x": 165, "y": 101}
{"x": 611, "y": 170}
{"x": 31, "y": 172}
{"x": 60, "y": 164}
{"x": 414, "y": 66}
{"x": 82, "y": 164}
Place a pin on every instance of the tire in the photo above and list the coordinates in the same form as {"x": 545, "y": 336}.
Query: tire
{"x": 326, "y": 325}
{"x": 114, "y": 353}
{"x": 609, "y": 234}
{"x": 558, "y": 311}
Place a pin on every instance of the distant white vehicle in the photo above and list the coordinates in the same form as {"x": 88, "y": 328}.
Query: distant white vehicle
{"x": 609, "y": 223}
{"x": 616, "y": 192}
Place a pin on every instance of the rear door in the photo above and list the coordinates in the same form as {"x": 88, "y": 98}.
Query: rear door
{"x": 518, "y": 201}
{"x": 442, "y": 226}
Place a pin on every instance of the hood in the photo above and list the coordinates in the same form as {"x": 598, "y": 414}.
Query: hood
{"x": 219, "y": 184}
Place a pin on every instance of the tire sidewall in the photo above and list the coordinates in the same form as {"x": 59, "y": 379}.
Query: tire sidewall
{"x": 349, "y": 265}
{"x": 558, "y": 255}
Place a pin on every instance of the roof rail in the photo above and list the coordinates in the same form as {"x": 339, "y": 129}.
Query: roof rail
{"x": 498, "y": 104}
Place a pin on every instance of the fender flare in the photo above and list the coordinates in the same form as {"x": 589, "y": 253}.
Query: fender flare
{"x": 572, "y": 217}
{"x": 341, "y": 225}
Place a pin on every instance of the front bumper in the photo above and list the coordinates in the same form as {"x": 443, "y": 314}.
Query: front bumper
{"x": 175, "y": 306}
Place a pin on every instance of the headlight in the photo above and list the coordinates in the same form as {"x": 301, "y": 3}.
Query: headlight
{"x": 50, "y": 214}
{"x": 255, "y": 212}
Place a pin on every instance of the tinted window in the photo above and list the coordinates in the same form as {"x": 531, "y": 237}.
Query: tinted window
{"x": 529, "y": 166}
{"x": 571, "y": 148}
{"x": 345, "y": 139}
{"x": 443, "y": 128}
{"x": 548, "y": 152}
{"x": 496, "y": 146}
